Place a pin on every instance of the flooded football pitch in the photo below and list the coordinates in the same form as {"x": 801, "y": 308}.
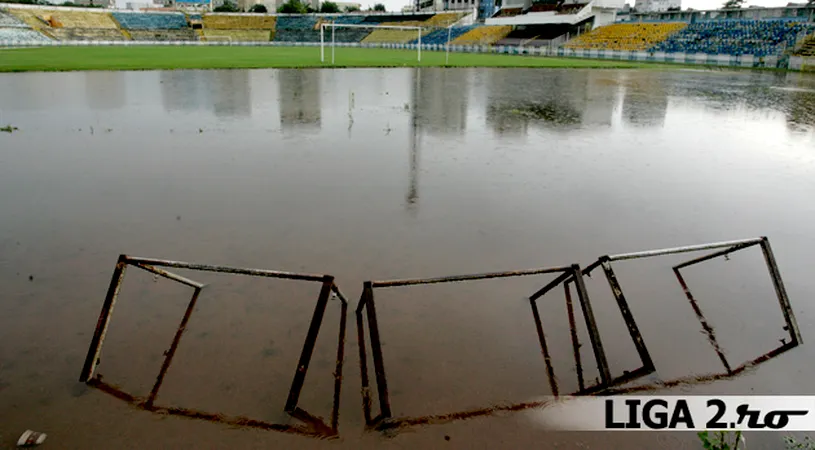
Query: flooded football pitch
{"x": 371, "y": 174}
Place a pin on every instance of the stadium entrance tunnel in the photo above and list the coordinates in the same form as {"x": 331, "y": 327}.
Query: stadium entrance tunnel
{"x": 572, "y": 278}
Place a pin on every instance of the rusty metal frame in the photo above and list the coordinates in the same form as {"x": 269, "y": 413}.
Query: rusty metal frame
{"x": 385, "y": 417}
{"x": 723, "y": 249}
{"x": 314, "y": 424}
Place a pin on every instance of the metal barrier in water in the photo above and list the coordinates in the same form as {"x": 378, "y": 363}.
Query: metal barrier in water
{"x": 566, "y": 277}
{"x": 314, "y": 425}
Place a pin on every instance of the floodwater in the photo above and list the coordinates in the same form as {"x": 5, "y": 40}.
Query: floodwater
{"x": 387, "y": 174}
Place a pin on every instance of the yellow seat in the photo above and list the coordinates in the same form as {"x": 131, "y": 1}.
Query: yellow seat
{"x": 248, "y": 22}
{"x": 390, "y": 35}
{"x": 626, "y": 36}
{"x": 238, "y": 35}
{"x": 485, "y": 35}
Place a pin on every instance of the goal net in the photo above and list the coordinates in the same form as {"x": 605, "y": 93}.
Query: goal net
{"x": 331, "y": 28}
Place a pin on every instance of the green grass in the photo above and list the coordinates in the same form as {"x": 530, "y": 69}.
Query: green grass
{"x": 159, "y": 57}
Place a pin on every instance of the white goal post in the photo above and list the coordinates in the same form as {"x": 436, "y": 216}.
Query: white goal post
{"x": 334, "y": 26}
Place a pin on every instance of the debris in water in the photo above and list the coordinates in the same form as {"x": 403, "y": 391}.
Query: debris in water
{"x": 177, "y": 217}
{"x": 8, "y": 129}
{"x": 31, "y": 278}
{"x": 91, "y": 130}
{"x": 31, "y": 438}
{"x": 200, "y": 130}
{"x": 446, "y": 437}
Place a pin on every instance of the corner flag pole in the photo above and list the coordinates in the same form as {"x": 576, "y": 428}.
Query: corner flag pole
{"x": 322, "y": 42}
{"x": 332, "y": 43}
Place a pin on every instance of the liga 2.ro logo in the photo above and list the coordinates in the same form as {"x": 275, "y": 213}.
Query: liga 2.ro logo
{"x": 710, "y": 413}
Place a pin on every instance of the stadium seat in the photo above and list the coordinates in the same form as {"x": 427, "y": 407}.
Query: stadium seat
{"x": 239, "y": 28}
{"x": 386, "y": 35}
{"x": 238, "y": 35}
{"x": 735, "y": 37}
{"x": 443, "y": 19}
{"x": 807, "y": 48}
{"x": 307, "y": 28}
{"x": 439, "y": 36}
{"x": 88, "y": 34}
{"x": 151, "y": 21}
{"x": 483, "y": 35}
{"x": 7, "y": 20}
{"x": 625, "y": 36}
{"x": 16, "y": 35}
{"x": 61, "y": 18}
{"x": 164, "y": 35}
{"x": 242, "y": 22}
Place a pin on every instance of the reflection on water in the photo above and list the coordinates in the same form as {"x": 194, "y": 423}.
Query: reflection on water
{"x": 105, "y": 90}
{"x": 378, "y": 174}
{"x": 299, "y": 99}
{"x": 645, "y": 101}
{"x": 440, "y": 100}
{"x": 226, "y": 92}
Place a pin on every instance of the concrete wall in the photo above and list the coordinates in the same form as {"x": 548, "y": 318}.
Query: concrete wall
{"x": 802, "y": 63}
{"x": 644, "y": 6}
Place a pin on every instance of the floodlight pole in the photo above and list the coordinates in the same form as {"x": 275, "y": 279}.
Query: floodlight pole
{"x": 447, "y": 50}
{"x": 420, "y": 44}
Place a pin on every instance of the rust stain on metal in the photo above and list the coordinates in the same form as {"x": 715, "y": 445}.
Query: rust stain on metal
{"x": 711, "y": 335}
{"x": 578, "y": 364}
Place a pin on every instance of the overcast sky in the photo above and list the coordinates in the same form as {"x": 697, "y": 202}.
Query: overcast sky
{"x": 396, "y": 5}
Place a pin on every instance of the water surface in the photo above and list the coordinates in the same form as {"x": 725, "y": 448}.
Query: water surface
{"x": 379, "y": 174}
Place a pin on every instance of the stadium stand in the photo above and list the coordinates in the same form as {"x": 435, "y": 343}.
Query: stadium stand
{"x": 626, "y": 36}
{"x": 70, "y": 25}
{"x": 76, "y": 19}
{"x": 807, "y": 47}
{"x": 10, "y": 21}
{"x": 396, "y": 36}
{"x": 239, "y": 28}
{"x": 443, "y": 19}
{"x": 242, "y": 22}
{"x": 483, "y": 35}
{"x": 16, "y": 31}
{"x": 88, "y": 34}
{"x": 439, "y": 36}
{"x": 307, "y": 28}
{"x": 19, "y": 35}
{"x": 296, "y": 29}
{"x": 238, "y": 35}
{"x": 734, "y": 37}
{"x": 186, "y": 34}
{"x": 151, "y": 21}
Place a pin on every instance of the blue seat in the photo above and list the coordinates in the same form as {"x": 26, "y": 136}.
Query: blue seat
{"x": 151, "y": 21}
{"x": 734, "y": 37}
{"x": 439, "y": 36}
{"x": 305, "y": 29}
